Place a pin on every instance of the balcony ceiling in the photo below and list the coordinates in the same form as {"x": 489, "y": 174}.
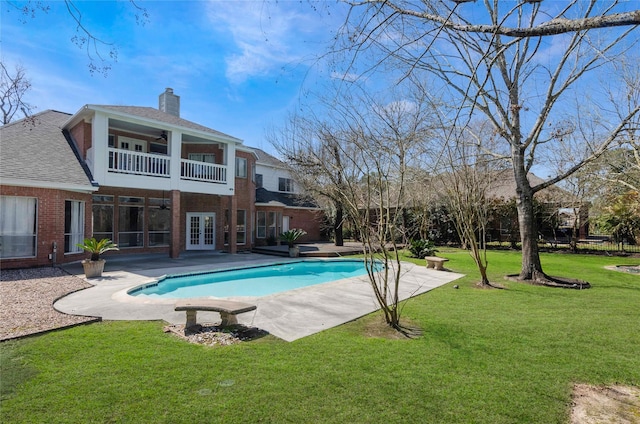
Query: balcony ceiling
{"x": 134, "y": 128}
{"x": 153, "y": 132}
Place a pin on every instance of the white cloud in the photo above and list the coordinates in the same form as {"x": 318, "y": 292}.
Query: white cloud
{"x": 345, "y": 76}
{"x": 267, "y": 36}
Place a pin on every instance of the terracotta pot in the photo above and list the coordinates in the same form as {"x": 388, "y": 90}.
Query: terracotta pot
{"x": 93, "y": 269}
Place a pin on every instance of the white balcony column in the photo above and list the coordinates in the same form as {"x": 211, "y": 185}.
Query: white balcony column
{"x": 230, "y": 157}
{"x": 99, "y": 145}
{"x": 175, "y": 153}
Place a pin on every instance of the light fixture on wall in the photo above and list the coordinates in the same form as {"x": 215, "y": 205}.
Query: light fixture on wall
{"x": 164, "y": 206}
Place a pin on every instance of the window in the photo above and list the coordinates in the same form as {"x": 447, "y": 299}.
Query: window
{"x": 158, "y": 148}
{"x": 258, "y": 180}
{"x": 130, "y": 222}
{"x": 159, "y": 222}
{"x": 241, "y": 168}
{"x": 17, "y": 227}
{"x": 203, "y": 157}
{"x": 103, "y": 217}
{"x": 271, "y": 226}
{"x": 241, "y": 227}
{"x": 261, "y": 224}
{"x": 73, "y": 225}
{"x": 285, "y": 184}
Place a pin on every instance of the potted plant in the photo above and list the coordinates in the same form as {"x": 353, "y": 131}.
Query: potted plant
{"x": 94, "y": 266}
{"x": 290, "y": 238}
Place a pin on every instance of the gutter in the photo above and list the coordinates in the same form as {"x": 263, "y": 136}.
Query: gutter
{"x": 81, "y": 161}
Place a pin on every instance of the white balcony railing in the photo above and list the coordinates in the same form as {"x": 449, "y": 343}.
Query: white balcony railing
{"x": 202, "y": 171}
{"x": 138, "y": 163}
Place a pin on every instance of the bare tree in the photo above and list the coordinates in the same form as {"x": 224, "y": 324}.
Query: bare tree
{"x": 466, "y": 176}
{"x": 627, "y": 172}
{"x": 101, "y": 53}
{"x": 518, "y": 65}
{"x": 301, "y": 142}
{"x": 359, "y": 151}
{"x": 13, "y": 87}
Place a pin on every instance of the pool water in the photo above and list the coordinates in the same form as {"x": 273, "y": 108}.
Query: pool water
{"x": 253, "y": 281}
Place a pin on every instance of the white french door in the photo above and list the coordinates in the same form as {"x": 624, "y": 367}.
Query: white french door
{"x": 201, "y": 231}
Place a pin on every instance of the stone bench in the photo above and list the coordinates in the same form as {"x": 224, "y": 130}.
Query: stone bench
{"x": 228, "y": 309}
{"x": 435, "y": 262}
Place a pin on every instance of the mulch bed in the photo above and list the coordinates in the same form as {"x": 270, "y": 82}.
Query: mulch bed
{"x": 27, "y": 297}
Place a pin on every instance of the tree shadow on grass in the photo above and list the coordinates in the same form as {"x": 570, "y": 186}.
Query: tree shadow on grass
{"x": 552, "y": 281}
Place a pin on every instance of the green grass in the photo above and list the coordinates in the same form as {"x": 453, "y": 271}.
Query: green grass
{"x": 486, "y": 356}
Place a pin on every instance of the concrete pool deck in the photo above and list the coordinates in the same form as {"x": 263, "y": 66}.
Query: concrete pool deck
{"x": 288, "y": 315}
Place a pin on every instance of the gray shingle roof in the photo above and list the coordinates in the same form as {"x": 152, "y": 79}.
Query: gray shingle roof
{"x": 267, "y": 159}
{"x": 35, "y": 150}
{"x": 158, "y": 115}
{"x": 288, "y": 199}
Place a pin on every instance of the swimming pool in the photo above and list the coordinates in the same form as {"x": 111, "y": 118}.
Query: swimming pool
{"x": 251, "y": 281}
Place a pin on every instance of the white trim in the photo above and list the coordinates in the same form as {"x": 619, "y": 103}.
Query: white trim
{"x": 308, "y": 208}
{"x": 201, "y": 245}
{"x": 48, "y": 185}
{"x": 161, "y": 124}
{"x": 282, "y": 205}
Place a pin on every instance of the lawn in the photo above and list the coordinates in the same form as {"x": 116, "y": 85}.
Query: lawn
{"x": 485, "y": 356}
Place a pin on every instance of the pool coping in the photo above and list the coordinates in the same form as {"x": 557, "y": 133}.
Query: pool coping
{"x": 288, "y": 315}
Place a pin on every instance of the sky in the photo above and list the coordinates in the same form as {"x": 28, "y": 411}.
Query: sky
{"x": 239, "y": 67}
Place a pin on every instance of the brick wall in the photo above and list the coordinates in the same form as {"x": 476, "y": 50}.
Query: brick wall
{"x": 308, "y": 220}
{"x": 203, "y": 148}
{"x": 50, "y": 225}
{"x": 81, "y": 133}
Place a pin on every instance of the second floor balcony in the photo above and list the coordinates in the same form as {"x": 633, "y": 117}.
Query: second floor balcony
{"x": 159, "y": 165}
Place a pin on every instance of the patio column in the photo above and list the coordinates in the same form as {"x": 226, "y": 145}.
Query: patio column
{"x": 176, "y": 228}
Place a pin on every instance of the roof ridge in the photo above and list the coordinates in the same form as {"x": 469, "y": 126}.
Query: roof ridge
{"x": 32, "y": 117}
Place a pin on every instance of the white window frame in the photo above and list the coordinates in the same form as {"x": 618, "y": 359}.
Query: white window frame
{"x": 19, "y": 219}
{"x": 241, "y": 167}
{"x": 76, "y": 230}
{"x": 261, "y": 227}
{"x": 203, "y": 157}
{"x": 285, "y": 185}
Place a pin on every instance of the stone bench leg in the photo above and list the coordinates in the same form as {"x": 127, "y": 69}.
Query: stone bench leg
{"x": 228, "y": 319}
{"x": 439, "y": 266}
{"x": 191, "y": 318}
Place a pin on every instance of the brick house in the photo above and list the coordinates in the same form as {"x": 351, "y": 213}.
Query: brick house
{"x": 280, "y": 203}
{"x": 145, "y": 178}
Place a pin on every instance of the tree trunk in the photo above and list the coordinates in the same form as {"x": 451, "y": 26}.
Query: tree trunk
{"x": 337, "y": 225}
{"x": 531, "y": 267}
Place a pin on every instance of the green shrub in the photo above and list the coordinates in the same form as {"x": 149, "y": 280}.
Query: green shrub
{"x": 421, "y": 248}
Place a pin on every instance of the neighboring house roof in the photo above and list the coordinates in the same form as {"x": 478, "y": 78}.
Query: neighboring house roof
{"x": 264, "y": 158}
{"x": 149, "y": 113}
{"x": 264, "y": 196}
{"x": 504, "y": 186}
{"x": 35, "y": 153}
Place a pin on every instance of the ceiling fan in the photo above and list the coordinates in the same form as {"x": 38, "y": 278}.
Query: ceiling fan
{"x": 163, "y": 136}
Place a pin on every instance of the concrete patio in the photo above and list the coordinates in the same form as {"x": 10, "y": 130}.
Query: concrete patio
{"x": 288, "y": 315}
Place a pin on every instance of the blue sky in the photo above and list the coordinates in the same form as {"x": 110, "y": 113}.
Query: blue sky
{"x": 238, "y": 66}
